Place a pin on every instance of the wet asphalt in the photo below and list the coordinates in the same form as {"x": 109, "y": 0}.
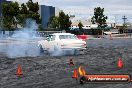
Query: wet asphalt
{"x": 43, "y": 71}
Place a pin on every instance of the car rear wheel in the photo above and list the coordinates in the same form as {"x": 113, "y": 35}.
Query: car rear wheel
{"x": 76, "y": 52}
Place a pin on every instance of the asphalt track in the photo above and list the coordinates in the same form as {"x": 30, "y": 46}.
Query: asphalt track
{"x": 54, "y": 72}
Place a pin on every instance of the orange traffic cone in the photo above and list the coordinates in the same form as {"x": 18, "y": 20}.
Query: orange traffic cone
{"x": 125, "y": 35}
{"x": 75, "y": 75}
{"x": 120, "y": 63}
{"x": 71, "y": 62}
{"x": 111, "y": 36}
{"x": 19, "y": 71}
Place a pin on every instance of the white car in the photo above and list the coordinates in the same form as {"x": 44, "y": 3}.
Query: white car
{"x": 60, "y": 42}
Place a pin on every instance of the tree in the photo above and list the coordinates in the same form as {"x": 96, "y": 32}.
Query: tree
{"x": 7, "y": 23}
{"x": 33, "y": 11}
{"x": 67, "y": 23}
{"x": 80, "y": 25}
{"x": 64, "y": 21}
{"x": 1, "y": 23}
{"x": 23, "y": 14}
{"x": 40, "y": 28}
{"x": 61, "y": 20}
{"x": 10, "y": 12}
{"x": 99, "y": 17}
{"x": 123, "y": 28}
{"x": 29, "y": 10}
{"x": 53, "y": 22}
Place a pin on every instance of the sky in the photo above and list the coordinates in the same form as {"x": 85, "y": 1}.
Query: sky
{"x": 114, "y": 9}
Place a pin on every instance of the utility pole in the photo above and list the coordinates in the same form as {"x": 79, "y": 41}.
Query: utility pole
{"x": 124, "y": 19}
{"x": 115, "y": 21}
{"x": 124, "y": 25}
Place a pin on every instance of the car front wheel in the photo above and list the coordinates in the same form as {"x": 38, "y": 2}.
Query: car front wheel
{"x": 76, "y": 52}
{"x": 56, "y": 51}
{"x": 41, "y": 49}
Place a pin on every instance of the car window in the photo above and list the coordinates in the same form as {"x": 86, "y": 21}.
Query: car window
{"x": 51, "y": 37}
{"x": 67, "y": 37}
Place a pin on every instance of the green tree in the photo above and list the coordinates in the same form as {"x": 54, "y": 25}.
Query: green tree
{"x": 80, "y": 25}
{"x": 64, "y": 21}
{"x": 7, "y": 23}
{"x": 67, "y": 22}
{"x": 54, "y": 22}
{"x": 13, "y": 14}
{"x": 1, "y": 22}
{"x": 30, "y": 10}
{"x": 99, "y": 17}
{"x": 23, "y": 14}
{"x": 40, "y": 28}
{"x": 61, "y": 20}
{"x": 10, "y": 12}
{"x": 33, "y": 11}
{"x": 124, "y": 27}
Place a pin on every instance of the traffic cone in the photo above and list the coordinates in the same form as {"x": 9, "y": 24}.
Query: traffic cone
{"x": 19, "y": 71}
{"x": 111, "y": 36}
{"x": 75, "y": 75}
{"x": 120, "y": 63}
{"x": 125, "y": 35}
{"x": 71, "y": 62}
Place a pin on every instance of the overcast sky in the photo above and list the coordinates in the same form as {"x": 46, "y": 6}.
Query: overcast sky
{"x": 84, "y": 7}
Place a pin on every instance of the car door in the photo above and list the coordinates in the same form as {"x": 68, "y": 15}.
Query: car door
{"x": 51, "y": 42}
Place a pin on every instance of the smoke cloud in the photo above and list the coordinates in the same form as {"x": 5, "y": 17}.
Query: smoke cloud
{"x": 22, "y": 42}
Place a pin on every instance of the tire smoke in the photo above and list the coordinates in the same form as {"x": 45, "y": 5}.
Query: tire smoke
{"x": 23, "y": 42}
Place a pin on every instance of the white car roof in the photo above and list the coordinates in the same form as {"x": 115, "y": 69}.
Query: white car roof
{"x": 62, "y": 34}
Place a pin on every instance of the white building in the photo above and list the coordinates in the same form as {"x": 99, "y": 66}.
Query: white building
{"x": 57, "y": 11}
{"x": 87, "y": 24}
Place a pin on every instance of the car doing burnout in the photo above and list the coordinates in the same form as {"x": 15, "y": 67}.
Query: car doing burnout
{"x": 61, "y": 42}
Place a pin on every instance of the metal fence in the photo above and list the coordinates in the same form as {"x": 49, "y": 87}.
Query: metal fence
{"x": 45, "y": 33}
{"x": 36, "y": 33}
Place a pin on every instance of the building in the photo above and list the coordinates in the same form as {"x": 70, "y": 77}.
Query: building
{"x": 87, "y": 24}
{"x": 46, "y": 12}
{"x": 57, "y": 11}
